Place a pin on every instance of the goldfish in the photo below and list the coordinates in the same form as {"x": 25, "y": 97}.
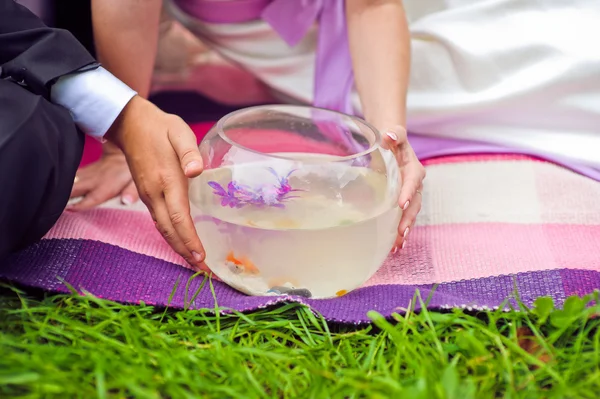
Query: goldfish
{"x": 240, "y": 265}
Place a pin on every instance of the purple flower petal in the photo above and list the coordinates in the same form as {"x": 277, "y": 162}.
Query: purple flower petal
{"x": 273, "y": 172}
{"x": 218, "y": 189}
{"x": 232, "y": 188}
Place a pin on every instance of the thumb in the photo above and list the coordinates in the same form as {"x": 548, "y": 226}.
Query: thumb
{"x": 392, "y": 138}
{"x": 183, "y": 141}
{"x": 130, "y": 194}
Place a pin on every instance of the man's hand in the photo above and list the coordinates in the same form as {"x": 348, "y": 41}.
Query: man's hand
{"x": 162, "y": 154}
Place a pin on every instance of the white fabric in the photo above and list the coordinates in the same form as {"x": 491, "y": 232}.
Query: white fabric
{"x": 94, "y": 98}
{"x": 523, "y": 73}
{"x": 260, "y": 50}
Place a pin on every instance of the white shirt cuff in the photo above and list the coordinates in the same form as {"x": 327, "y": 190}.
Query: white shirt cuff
{"x": 94, "y": 98}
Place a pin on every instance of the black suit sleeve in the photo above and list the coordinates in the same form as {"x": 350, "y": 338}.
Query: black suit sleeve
{"x": 35, "y": 55}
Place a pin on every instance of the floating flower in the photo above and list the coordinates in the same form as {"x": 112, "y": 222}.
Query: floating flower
{"x": 237, "y": 195}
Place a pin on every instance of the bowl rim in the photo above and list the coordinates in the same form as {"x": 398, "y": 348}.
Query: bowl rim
{"x": 334, "y": 158}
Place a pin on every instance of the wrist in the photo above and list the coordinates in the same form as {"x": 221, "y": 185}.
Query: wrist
{"x": 109, "y": 148}
{"x": 383, "y": 121}
{"x": 117, "y": 134}
{"x": 385, "y": 125}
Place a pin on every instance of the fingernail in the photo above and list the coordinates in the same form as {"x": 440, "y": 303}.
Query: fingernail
{"x": 197, "y": 256}
{"x": 403, "y": 244}
{"x": 126, "y": 200}
{"x": 405, "y": 232}
{"x": 191, "y": 165}
{"x": 406, "y": 204}
{"x": 394, "y": 250}
{"x": 392, "y": 135}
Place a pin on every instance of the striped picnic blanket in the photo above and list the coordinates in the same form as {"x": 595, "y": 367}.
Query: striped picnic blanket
{"x": 492, "y": 227}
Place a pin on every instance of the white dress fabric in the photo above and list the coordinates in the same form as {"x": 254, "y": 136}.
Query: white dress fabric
{"x": 520, "y": 73}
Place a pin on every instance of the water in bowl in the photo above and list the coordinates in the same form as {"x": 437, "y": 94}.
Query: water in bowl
{"x": 321, "y": 241}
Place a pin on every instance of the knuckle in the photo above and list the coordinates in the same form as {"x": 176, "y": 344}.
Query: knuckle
{"x": 106, "y": 192}
{"x": 177, "y": 218}
{"x": 188, "y": 153}
{"x": 174, "y": 123}
{"x": 167, "y": 233}
{"x": 146, "y": 193}
{"x": 91, "y": 199}
{"x": 185, "y": 257}
{"x": 175, "y": 119}
{"x": 164, "y": 180}
{"x": 187, "y": 241}
{"x": 148, "y": 203}
{"x": 401, "y": 133}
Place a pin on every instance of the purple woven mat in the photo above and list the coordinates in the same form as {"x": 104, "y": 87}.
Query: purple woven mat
{"x": 111, "y": 272}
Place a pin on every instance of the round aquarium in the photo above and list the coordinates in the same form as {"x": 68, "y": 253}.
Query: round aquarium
{"x": 295, "y": 200}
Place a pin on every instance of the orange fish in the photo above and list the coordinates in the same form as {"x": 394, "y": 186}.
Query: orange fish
{"x": 241, "y": 265}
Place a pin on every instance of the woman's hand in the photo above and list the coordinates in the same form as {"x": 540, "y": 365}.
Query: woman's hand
{"x": 104, "y": 180}
{"x": 162, "y": 153}
{"x": 380, "y": 47}
{"x": 412, "y": 174}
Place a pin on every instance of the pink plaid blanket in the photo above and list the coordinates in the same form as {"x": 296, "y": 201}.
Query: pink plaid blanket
{"x": 490, "y": 225}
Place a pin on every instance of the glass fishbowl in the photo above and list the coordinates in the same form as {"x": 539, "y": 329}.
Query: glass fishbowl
{"x": 295, "y": 200}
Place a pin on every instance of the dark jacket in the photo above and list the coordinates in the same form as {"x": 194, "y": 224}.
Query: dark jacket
{"x": 34, "y": 55}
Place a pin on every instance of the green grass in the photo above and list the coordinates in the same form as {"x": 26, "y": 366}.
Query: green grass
{"x": 63, "y": 346}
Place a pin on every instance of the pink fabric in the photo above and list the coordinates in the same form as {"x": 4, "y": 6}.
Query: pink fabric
{"x": 470, "y": 251}
{"x": 517, "y": 215}
{"x": 133, "y": 230}
{"x": 478, "y": 158}
{"x": 223, "y": 12}
{"x": 462, "y": 251}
